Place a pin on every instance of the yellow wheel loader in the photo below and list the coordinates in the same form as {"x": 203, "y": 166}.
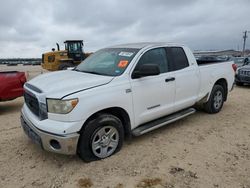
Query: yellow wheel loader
{"x": 62, "y": 59}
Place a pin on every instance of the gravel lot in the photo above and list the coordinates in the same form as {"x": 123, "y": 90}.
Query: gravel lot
{"x": 201, "y": 150}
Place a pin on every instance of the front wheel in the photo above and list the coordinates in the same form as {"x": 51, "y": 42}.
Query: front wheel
{"x": 101, "y": 138}
{"x": 216, "y": 100}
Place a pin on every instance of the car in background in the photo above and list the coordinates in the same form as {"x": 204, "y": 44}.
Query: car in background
{"x": 12, "y": 63}
{"x": 242, "y": 75}
{"x": 27, "y": 63}
{"x": 11, "y": 86}
{"x": 36, "y": 63}
{"x": 3, "y": 62}
{"x": 240, "y": 61}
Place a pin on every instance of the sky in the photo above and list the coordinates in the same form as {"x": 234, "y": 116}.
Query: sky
{"x": 29, "y": 28}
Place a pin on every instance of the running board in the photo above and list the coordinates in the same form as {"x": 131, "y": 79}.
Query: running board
{"x": 152, "y": 125}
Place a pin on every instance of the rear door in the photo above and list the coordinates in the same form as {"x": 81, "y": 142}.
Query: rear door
{"x": 153, "y": 96}
{"x": 186, "y": 78}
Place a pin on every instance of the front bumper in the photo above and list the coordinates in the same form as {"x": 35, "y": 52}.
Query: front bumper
{"x": 63, "y": 144}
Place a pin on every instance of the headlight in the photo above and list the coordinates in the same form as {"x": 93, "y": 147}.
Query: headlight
{"x": 58, "y": 106}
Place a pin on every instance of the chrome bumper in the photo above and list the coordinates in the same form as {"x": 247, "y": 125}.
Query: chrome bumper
{"x": 63, "y": 144}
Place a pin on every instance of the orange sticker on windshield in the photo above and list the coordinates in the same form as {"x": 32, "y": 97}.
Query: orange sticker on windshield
{"x": 123, "y": 64}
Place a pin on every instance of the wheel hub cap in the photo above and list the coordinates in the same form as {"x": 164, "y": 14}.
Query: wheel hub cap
{"x": 218, "y": 99}
{"x": 105, "y": 141}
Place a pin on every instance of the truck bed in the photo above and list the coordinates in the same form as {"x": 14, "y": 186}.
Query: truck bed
{"x": 206, "y": 62}
{"x": 11, "y": 85}
{"x": 210, "y": 70}
{"x": 203, "y": 60}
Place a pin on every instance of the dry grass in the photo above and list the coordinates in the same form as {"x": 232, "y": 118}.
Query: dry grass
{"x": 149, "y": 182}
{"x": 85, "y": 183}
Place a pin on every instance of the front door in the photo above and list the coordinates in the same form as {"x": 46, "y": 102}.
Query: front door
{"x": 153, "y": 96}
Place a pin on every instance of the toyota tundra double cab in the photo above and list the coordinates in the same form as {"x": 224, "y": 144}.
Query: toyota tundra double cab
{"x": 118, "y": 92}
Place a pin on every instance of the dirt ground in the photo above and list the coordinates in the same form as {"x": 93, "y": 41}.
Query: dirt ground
{"x": 201, "y": 150}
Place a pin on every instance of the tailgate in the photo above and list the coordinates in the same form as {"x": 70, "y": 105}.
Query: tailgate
{"x": 12, "y": 75}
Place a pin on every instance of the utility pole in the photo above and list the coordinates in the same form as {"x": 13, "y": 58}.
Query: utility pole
{"x": 244, "y": 42}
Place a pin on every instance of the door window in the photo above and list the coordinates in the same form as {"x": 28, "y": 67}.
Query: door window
{"x": 178, "y": 58}
{"x": 155, "y": 56}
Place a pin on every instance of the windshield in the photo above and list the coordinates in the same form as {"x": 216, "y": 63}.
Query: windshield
{"x": 108, "y": 61}
{"x": 239, "y": 60}
{"x": 73, "y": 47}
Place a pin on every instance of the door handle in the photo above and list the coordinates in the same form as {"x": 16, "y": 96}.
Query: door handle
{"x": 169, "y": 79}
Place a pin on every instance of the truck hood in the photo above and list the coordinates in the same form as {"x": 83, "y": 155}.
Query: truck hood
{"x": 246, "y": 67}
{"x": 62, "y": 83}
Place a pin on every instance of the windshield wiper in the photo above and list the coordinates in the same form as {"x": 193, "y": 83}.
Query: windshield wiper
{"x": 91, "y": 72}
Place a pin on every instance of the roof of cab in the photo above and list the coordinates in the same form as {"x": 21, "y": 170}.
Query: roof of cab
{"x": 141, "y": 45}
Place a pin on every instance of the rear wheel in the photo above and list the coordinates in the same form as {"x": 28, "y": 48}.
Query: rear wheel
{"x": 216, "y": 100}
{"x": 101, "y": 138}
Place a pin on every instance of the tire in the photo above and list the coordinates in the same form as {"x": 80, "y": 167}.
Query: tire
{"x": 64, "y": 66}
{"x": 216, "y": 100}
{"x": 239, "y": 83}
{"x": 101, "y": 138}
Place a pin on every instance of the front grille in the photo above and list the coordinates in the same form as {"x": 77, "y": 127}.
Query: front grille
{"x": 32, "y": 103}
{"x": 244, "y": 73}
{"x": 245, "y": 78}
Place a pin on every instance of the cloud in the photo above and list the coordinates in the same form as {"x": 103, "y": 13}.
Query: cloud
{"x": 32, "y": 27}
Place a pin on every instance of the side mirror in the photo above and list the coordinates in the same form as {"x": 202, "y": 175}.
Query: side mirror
{"x": 146, "y": 70}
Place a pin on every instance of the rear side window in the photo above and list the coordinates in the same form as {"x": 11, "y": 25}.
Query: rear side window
{"x": 155, "y": 56}
{"x": 179, "y": 58}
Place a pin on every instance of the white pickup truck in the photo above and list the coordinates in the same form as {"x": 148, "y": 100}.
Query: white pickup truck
{"x": 119, "y": 92}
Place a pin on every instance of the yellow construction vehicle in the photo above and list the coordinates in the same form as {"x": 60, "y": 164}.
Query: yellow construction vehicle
{"x": 62, "y": 59}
